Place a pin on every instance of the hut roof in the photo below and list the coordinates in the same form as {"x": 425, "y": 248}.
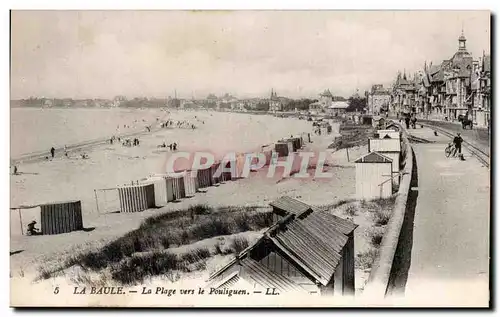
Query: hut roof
{"x": 313, "y": 242}
{"x": 373, "y": 157}
{"x": 290, "y": 205}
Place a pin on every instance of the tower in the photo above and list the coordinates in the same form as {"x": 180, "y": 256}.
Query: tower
{"x": 461, "y": 42}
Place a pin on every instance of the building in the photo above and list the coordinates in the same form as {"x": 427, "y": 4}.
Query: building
{"x": 403, "y": 95}
{"x": 306, "y": 250}
{"x": 481, "y": 90}
{"x": 275, "y": 103}
{"x": 325, "y": 101}
{"x": 452, "y": 88}
{"x": 379, "y": 100}
{"x": 326, "y": 98}
{"x": 337, "y": 108}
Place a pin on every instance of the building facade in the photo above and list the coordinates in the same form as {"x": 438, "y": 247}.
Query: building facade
{"x": 378, "y": 99}
{"x": 275, "y": 103}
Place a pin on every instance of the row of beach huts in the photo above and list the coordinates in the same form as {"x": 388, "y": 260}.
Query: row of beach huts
{"x": 154, "y": 191}
{"x": 378, "y": 172}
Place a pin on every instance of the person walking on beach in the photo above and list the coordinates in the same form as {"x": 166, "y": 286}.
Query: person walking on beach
{"x": 52, "y": 151}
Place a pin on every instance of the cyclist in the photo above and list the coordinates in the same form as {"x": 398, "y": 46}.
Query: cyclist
{"x": 457, "y": 141}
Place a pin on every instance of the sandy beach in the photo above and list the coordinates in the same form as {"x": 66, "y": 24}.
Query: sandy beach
{"x": 111, "y": 165}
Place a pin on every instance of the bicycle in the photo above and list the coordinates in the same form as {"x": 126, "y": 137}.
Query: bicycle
{"x": 450, "y": 150}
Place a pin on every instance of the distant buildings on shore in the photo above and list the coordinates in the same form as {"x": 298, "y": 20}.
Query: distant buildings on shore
{"x": 327, "y": 103}
{"x": 456, "y": 87}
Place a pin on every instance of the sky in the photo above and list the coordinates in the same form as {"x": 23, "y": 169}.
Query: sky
{"x": 102, "y": 54}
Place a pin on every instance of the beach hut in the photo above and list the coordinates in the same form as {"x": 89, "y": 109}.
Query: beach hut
{"x": 178, "y": 189}
{"x": 296, "y": 145}
{"x": 163, "y": 190}
{"x": 391, "y": 148}
{"x": 205, "y": 177}
{"x": 135, "y": 198}
{"x": 190, "y": 183}
{"x": 281, "y": 148}
{"x": 233, "y": 172}
{"x": 373, "y": 176}
{"x": 213, "y": 170}
{"x": 391, "y": 133}
{"x": 51, "y": 218}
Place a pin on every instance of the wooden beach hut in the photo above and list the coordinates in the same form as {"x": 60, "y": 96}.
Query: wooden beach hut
{"x": 373, "y": 176}
{"x": 383, "y": 134}
{"x": 178, "y": 188}
{"x": 278, "y": 260}
{"x": 163, "y": 190}
{"x": 135, "y": 198}
{"x": 205, "y": 177}
{"x": 282, "y": 149}
{"x": 391, "y": 148}
{"x": 51, "y": 218}
{"x": 191, "y": 183}
{"x": 213, "y": 170}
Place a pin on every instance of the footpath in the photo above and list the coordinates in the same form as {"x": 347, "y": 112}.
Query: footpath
{"x": 451, "y": 234}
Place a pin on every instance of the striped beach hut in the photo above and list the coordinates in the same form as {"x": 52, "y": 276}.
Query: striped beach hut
{"x": 163, "y": 190}
{"x": 51, "y": 218}
{"x": 205, "y": 177}
{"x": 191, "y": 182}
{"x": 213, "y": 170}
{"x": 179, "y": 190}
{"x": 135, "y": 198}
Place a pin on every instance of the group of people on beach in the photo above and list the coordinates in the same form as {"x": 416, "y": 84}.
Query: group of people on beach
{"x": 83, "y": 155}
{"x": 129, "y": 142}
{"x": 171, "y": 146}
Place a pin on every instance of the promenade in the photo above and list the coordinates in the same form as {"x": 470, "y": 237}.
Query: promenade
{"x": 450, "y": 252}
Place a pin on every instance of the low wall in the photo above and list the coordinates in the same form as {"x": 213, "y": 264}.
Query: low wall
{"x": 385, "y": 277}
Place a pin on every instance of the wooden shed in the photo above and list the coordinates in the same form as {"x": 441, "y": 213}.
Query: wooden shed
{"x": 135, "y": 198}
{"x": 51, "y": 218}
{"x": 373, "y": 176}
{"x": 311, "y": 253}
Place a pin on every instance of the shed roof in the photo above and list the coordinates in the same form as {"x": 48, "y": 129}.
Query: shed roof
{"x": 290, "y": 205}
{"x": 314, "y": 243}
{"x": 373, "y": 157}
